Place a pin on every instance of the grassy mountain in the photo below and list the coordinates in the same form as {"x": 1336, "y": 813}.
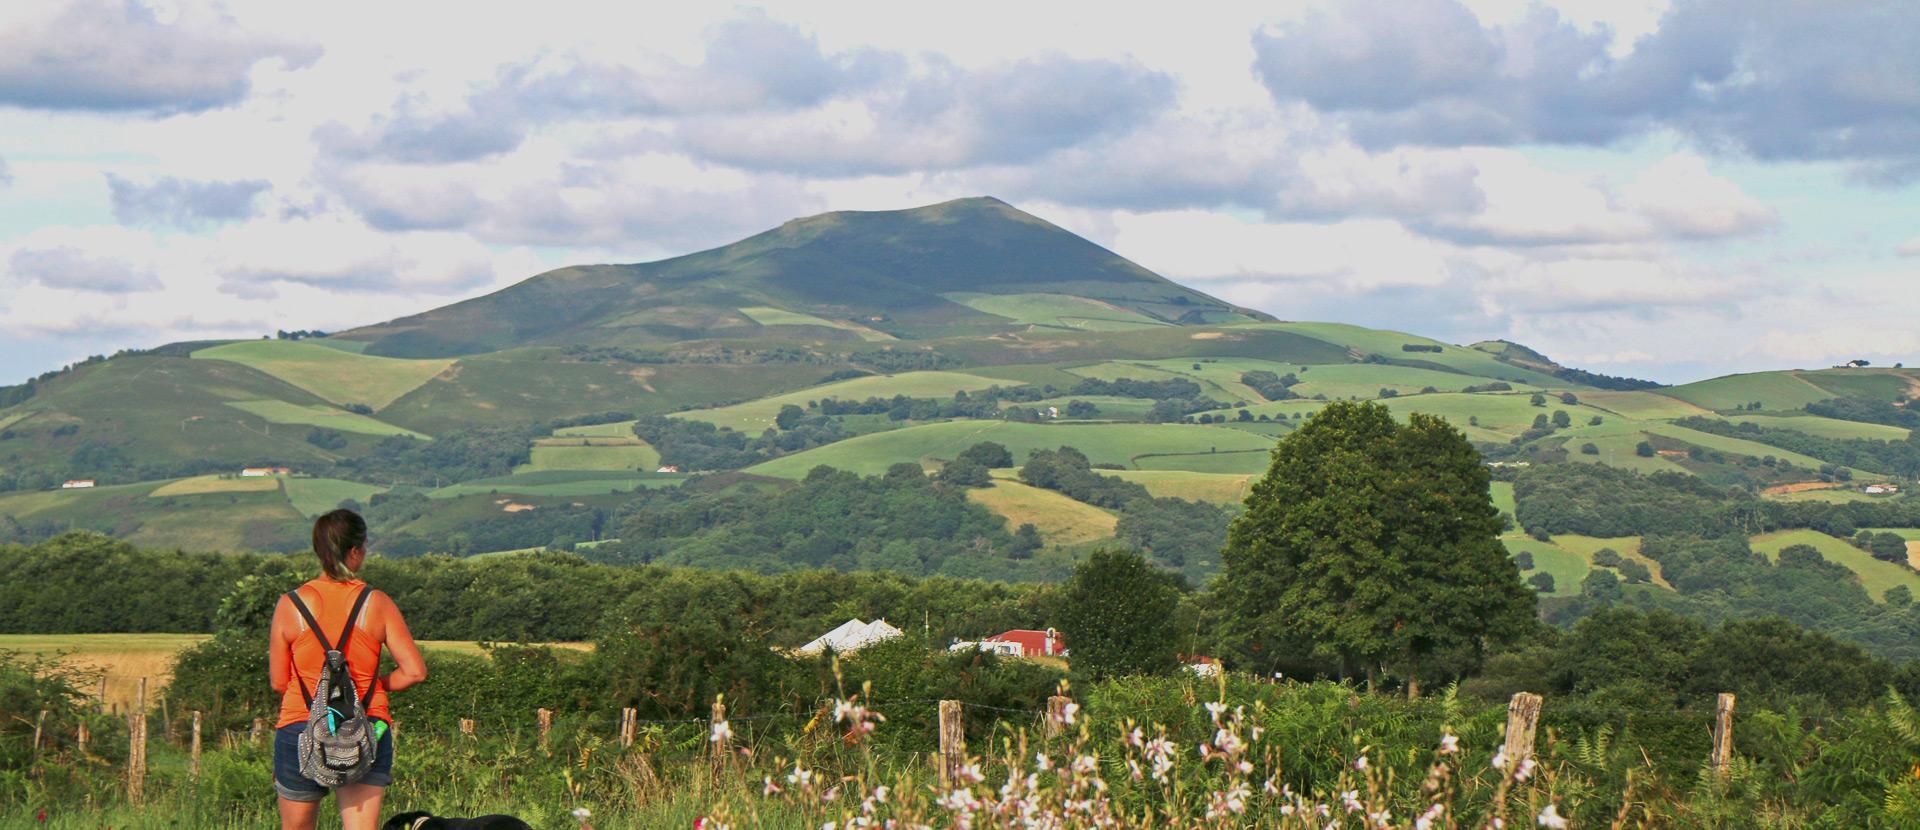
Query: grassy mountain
{"x": 966, "y": 267}
{"x": 530, "y": 416}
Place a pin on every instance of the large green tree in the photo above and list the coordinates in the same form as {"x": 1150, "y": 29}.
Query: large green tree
{"x": 1372, "y": 544}
{"x": 1117, "y": 615}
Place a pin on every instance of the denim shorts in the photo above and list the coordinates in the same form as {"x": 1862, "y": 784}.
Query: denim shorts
{"x": 292, "y": 786}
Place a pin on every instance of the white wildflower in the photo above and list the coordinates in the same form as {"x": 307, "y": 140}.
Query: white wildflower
{"x": 1551, "y": 818}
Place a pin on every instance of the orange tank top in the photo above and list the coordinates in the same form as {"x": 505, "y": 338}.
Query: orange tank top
{"x": 362, "y": 651}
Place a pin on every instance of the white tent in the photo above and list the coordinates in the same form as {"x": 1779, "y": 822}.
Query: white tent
{"x": 851, "y": 636}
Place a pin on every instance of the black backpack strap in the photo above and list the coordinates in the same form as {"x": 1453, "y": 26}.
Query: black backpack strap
{"x": 314, "y": 626}
{"x": 346, "y": 634}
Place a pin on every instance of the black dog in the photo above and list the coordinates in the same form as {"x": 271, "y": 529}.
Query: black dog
{"x": 422, "y": 820}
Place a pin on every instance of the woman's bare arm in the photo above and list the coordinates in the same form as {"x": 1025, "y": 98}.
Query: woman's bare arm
{"x": 410, "y": 667}
{"x": 279, "y": 645}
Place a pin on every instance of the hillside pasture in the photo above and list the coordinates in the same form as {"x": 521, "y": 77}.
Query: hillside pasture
{"x": 1567, "y": 568}
{"x": 314, "y": 496}
{"x": 340, "y": 376}
{"x": 1627, "y": 546}
{"x": 560, "y": 483}
{"x": 1824, "y": 427}
{"x": 1236, "y": 462}
{"x": 616, "y": 429}
{"x": 1772, "y": 390}
{"x": 1502, "y": 494}
{"x": 767, "y": 316}
{"x": 1912, "y": 535}
{"x": 925, "y": 443}
{"x": 1365, "y": 380}
{"x": 1640, "y": 405}
{"x": 1039, "y": 374}
{"x": 1057, "y": 311}
{"x": 1876, "y": 576}
{"x": 1618, "y": 444}
{"x": 1734, "y": 446}
{"x": 1219, "y": 488}
{"x": 1148, "y": 371}
{"x": 1361, "y": 341}
{"x": 1060, "y": 520}
{"x": 1506, "y": 413}
{"x": 282, "y": 412}
{"x": 1885, "y": 384}
{"x": 1225, "y": 372}
{"x": 221, "y": 483}
{"x": 756, "y": 416}
{"x": 1112, "y": 408}
{"x": 627, "y": 457}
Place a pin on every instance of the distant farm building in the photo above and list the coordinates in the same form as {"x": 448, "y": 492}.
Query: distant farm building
{"x": 77, "y": 484}
{"x": 1030, "y": 642}
{"x": 850, "y": 637}
{"x": 261, "y": 472}
{"x": 1002, "y": 648}
{"x": 1881, "y": 489}
{"x": 668, "y": 469}
{"x": 1673, "y": 453}
{"x": 1201, "y": 666}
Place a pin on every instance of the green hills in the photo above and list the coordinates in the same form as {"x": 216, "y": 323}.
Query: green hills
{"x": 555, "y": 411}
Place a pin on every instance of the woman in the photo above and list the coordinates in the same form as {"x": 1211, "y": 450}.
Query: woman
{"x": 294, "y": 659}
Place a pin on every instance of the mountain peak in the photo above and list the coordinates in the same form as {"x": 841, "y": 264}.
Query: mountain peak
{"x": 913, "y": 273}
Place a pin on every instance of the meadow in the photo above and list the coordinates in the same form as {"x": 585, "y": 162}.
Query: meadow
{"x": 768, "y": 316}
{"x": 633, "y": 456}
{"x": 340, "y": 376}
{"x": 1772, "y": 390}
{"x": 1102, "y": 443}
{"x": 282, "y": 412}
{"x": 1060, "y": 520}
{"x": 1056, "y": 310}
{"x": 756, "y": 416}
{"x": 1876, "y": 576}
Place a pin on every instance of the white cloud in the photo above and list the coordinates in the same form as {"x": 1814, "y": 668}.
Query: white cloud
{"x": 1910, "y": 247}
{"x": 124, "y": 55}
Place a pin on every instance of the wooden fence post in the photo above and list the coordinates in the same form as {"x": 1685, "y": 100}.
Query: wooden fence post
{"x": 80, "y": 737}
{"x": 629, "y": 718}
{"x": 953, "y": 743}
{"x": 466, "y": 727}
{"x": 1723, "y": 734}
{"x": 1523, "y": 715}
{"x": 166, "y": 719}
{"x": 719, "y": 733}
{"x": 100, "y": 697}
{"x": 196, "y": 743}
{"x": 137, "y": 749}
{"x": 544, "y": 717}
{"x": 259, "y": 728}
{"x": 1057, "y": 714}
{"x": 39, "y": 723}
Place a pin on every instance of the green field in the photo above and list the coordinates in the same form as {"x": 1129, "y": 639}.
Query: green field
{"x": 1502, "y": 494}
{"x": 617, "y": 429}
{"x": 314, "y": 496}
{"x": 559, "y": 483}
{"x": 1505, "y": 413}
{"x": 1618, "y": 442}
{"x": 281, "y": 412}
{"x": 1219, "y": 488}
{"x": 1365, "y": 380}
{"x": 768, "y": 316}
{"x": 617, "y": 457}
{"x": 1773, "y": 390}
{"x": 1362, "y": 341}
{"x": 1735, "y": 446}
{"x": 1224, "y": 372}
{"x": 1056, "y": 310}
{"x": 1034, "y": 373}
{"x": 1885, "y": 384}
{"x": 1224, "y": 462}
{"x": 755, "y": 416}
{"x": 342, "y": 377}
{"x": 1824, "y": 427}
{"x": 221, "y": 483}
{"x": 1103, "y": 443}
{"x": 1061, "y": 520}
{"x": 1568, "y": 568}
{"x": 1640, "y": 405}
{"x": 1147, "y": 370}
{"x": 1876, "y": 576}
{"x": 1112, "y": 408}
{"x": 1627, "y": 546}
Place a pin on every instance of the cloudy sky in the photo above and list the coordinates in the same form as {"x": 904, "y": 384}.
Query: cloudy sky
{"x": 1671, "y": 190}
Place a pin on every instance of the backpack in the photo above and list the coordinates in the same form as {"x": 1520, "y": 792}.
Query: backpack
{"x": 339, "y": 744}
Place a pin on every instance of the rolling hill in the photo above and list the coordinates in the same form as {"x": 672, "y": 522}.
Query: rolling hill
{"x": 513, "y": 416}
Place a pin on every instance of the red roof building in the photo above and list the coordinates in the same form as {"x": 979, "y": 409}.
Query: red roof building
{"x": 1033, "y": 643}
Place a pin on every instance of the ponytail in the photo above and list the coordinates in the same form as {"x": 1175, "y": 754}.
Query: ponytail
{"x": 334, "y": 536}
